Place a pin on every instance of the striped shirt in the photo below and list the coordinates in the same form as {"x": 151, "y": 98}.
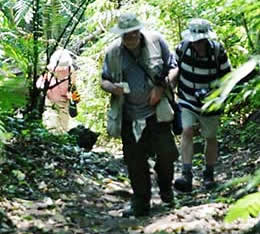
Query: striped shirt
{"x": 198, "y": 73}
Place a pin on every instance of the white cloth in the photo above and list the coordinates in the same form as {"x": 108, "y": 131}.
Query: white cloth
{"x": 138, "y": 127}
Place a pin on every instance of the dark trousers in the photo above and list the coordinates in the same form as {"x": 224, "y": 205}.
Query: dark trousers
{"x": 157, "y": 140}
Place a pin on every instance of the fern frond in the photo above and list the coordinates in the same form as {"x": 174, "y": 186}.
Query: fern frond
{"x": 52, "y": 19}
{"x": 248, "y": 206}
{"x": 24, "y": 10}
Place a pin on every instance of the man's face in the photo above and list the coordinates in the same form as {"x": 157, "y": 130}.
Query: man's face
{"x": 131, "y": 40}
{"x": 200, "y": 45}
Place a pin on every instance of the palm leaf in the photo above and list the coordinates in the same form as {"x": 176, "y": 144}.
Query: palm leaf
{"x": 248, "y": 206}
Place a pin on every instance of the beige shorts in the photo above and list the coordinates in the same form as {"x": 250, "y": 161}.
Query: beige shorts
{"x": 56, "y": 116}
{"x": 208, "y": 124}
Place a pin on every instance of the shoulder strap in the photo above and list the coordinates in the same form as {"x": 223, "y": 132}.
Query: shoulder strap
{"x": 216, "y": 54}
{"x": 171, "y": 97}
{"x": 61, "y": 81}
{"x": 58, "y": 83}
{"x": 183, "y": 50}
{"x": 216, "y": 47}
{"x": 115, "y": 59}
{"x": 69, "y": 78}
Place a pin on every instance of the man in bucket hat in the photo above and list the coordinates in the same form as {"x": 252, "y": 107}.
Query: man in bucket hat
{"x": 201, "y": 61}
{"x": 134, "y": 72}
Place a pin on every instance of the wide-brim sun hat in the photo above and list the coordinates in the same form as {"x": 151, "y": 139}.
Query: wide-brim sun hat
{"x": 198, "y": 29}
{"x": 127, "y": 22}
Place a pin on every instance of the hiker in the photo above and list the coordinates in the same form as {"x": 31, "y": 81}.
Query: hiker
{"x": 60, "y": 79}
{"x": 134, "y": 71}
{"x": 201, "y": 61}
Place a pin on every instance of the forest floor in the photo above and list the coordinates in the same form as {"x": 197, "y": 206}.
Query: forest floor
{"x": 49, "y": 187}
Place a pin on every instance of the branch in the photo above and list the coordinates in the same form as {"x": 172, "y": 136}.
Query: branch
{"x": 69, "y": 22}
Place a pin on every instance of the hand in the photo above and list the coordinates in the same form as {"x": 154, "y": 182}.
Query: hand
{"x": 118, "y": 89}
{"x": 172, "y": 77}
{"x": 114, "y": 88}
{"x": 75, "y": 96}
{"x": 155, "y": 95}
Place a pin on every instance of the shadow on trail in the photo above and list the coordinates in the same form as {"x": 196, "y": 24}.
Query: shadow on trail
{"x": 52, "y": 188}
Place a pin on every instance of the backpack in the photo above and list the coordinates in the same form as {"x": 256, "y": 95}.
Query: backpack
{"x": 85, "y": 138}
{"x": 216, "y": 45}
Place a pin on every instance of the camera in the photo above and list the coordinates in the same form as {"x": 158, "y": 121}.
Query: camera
{"x": 201, "y": 93}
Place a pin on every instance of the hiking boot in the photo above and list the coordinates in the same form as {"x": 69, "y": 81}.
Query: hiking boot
{"x": 167, "y": 196}
{"x": 184, "y": 183}
{"x": 132, "y": 212}
{"x": 137, "y": 209}
{"x": 208, "y": 177}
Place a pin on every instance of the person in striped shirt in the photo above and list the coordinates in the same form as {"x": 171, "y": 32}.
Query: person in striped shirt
{"x": 203, "y": 61}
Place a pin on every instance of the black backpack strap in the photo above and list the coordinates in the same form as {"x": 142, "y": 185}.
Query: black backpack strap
{"x": 141, "y": 66}
{"x": 69, "y": 78}
{"x": 216, "y": 54}
{"x": 183, "y": 49}
{"x": 58, "y": 82}
{"x": 216, "y": 47}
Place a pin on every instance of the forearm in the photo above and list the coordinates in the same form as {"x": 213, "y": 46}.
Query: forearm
{"x": 110, "y": 87}
{"x": 155, "y": 95}
{"x": 173, "y": 77}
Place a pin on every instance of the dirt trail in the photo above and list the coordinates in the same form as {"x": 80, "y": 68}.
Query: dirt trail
{"x": 45, "y": 191}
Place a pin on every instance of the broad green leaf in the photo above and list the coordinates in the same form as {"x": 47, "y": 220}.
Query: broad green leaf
{"x": 248, "y": 206}
{"x": 227, "y": 84}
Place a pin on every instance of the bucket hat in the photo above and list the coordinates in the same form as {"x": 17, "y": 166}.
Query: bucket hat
{"x": 127, "y": 22}
{"x": 198, "y": 29}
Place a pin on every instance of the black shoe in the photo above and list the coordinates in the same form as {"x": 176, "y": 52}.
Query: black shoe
{"x": 184, "y": 183}
{"x": 137, "y": 209}
{"x": 208, "y": 177}
{"x": 167, "y": 197}
{"x": 130, "y": 211}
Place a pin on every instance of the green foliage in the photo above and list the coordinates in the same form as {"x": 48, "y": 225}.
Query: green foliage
{"x": 248, "y": 205}
{"x": 236, "y": 22}
{"x": 174, "y": 16}
{"x": 227, "y": 84}
{"x": 52, "y": 21}
{"x": 2, "y": 134}
{"x": 24, "y": 11}
{"x": 35, "y": 27}
{"x": 21, "y": 53}
{"x": 244, "y": 208}
{"x": 13, "y": 93}
{"x": 250, "y": 134}
{"x": 16, "y": 47}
